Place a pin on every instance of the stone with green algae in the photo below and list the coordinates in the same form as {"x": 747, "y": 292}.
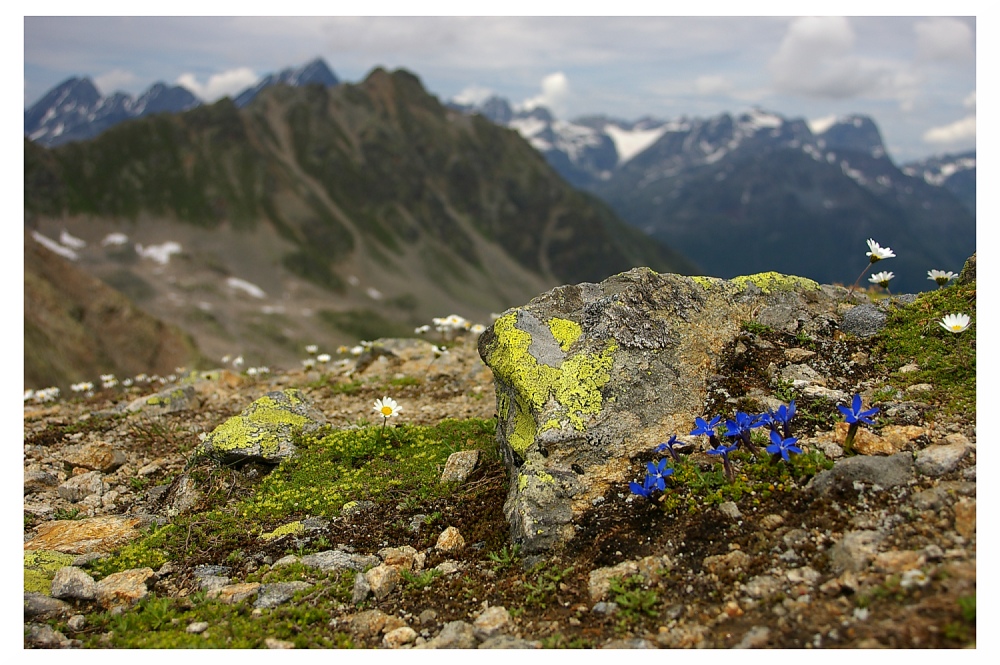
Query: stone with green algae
{"x": 264, "y": 431}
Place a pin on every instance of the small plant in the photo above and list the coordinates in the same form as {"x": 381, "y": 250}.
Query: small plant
{"x": 756, "y": 328}
{"x": 547, "y": 580}
{"x": 655, "y": 480}
{"x": 506, "y": 557}
{"x": 71, "y": 514}
{"x": 420, "y": 581}
{"x": 724, "y": 451}
{"x": 632, "y": 599}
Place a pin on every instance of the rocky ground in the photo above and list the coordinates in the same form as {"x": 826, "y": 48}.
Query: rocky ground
{"x": 870, "y": 550}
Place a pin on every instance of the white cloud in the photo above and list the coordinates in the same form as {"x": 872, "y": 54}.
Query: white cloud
{"x": 474, "y": 94}
{"x": 712, "y": 84}
{"x": 970, "y": 101}
{"x": 113, "y": 81}
{"x": 962, "y": 130}
{"x": 554, "y": 95}
{"x": 816, "y": 59}
{"x": 944, "y": 39}
{"x": 230, "y": 82}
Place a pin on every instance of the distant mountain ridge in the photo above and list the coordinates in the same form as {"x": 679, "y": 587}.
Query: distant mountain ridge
{"x": 792, "y": 197}
{"x": 324, "y": 214}
{"x": 76, "y": 111}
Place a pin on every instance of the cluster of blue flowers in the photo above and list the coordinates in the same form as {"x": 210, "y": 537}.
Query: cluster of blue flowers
{"x": 737, "y": 433}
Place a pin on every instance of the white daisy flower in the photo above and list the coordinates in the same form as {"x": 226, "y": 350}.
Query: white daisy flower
{"x": 323, "y": 357}
{"x": 881, "y": 278}
{"x": 940, "y": 276}
{"x": 955, "y": 323}
{"x": 387, "y": 407}
{"x": 312, "y": 349}
{"x": 878, "y": 253}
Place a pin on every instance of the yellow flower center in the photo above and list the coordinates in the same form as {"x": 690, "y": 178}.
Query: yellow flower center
{"x": 386, "y": 411}
{"x": 956, "y": 327}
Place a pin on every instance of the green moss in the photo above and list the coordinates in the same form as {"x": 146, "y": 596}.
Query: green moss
{"x": 285, "y": 530}
{"x": 566, "y": 332}
{"x": 40, "y": 567}
{"x": 946, "y": 360}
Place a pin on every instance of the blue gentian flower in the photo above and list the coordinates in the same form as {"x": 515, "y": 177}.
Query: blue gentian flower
{"x": 642, "y": 490}
{"x": 782, "y": 446}
{"x": 708, "y": 429}
{"x": 657, "y": 472}
{"x": 668, "y": 446}
{"x": 781, "y": 417}
{"x": 740, "y": 428}
{"x": 855, "y": 415}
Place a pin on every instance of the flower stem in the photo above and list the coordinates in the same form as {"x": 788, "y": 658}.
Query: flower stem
{"x": 849, "y": 440}
{"x": 859, "y": 279}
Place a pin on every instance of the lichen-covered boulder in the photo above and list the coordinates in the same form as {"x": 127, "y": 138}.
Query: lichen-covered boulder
{"x": 263, "y": 432}
{"x": 589, "y": 375}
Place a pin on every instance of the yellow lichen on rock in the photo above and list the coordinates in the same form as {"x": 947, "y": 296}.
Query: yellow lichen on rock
{"x": 40, "y": 567}
{"x": 285, "y": 530}
{"x": 565, "y": 331}
{"x": 765, "y": 281}
{"x": 575, "y": 385}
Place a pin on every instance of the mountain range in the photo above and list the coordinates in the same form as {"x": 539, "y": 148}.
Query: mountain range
{"x": 782, "y": 194}
{"x": 319, "y": 214}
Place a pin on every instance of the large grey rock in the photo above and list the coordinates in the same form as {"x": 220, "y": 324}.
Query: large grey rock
{"x": 882, "y": 471}
{"x": 263, "y": 431}
{"x": 864, "y": 320}
{"x": 939, "y": 460}
{"x": 339, "y": 560}
{"x": 589, "y": 375}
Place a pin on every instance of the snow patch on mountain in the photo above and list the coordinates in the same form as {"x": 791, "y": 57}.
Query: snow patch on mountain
{"x": 160, "y": 253}
{"x": 238, "y": 284}
{"x": 631, "y": 142}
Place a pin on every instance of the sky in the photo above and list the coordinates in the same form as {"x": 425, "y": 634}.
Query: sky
{"x": 915, "y": 76}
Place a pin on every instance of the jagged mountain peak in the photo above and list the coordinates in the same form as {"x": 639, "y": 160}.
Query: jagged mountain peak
{"x": 315, "y": 71}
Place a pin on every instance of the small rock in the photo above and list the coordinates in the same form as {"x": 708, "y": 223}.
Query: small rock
{"x": 427, "y": 617}
{"x": 755, "y": 638}
{"x": 361, "y": 589}
{"x": 938, "y": 460}
{"x": 771, "y": 522}
{"x": 399, "y": 637}
{"x": 855, "y": 550}
{"x": 38, "y": 481}
{"x": 74, "y": 584}
{"x": 77, "y": 622}
{"x": 730, "y": 510}
{"x": 605, "y": 607}
{"x": 40, "y": 606}
{"x": 965, "y": 517}
{"x": 459, "y": 465}
{"x": 383, "y": 580}
{"x": 901, "y": 437}
{"x": 235, "y": 593}
{"x": 920, "y": 388}
{"x": 863, "y": 320}
{"x": 197, "y": 627}
{"x": 908, "y": 368}
{"x": 448, "y": 567}
{"x": 97, "y": 456}
{"x": 762, "y": 586}
{"x": 82, "y": 486}
{"x": 285, "y": 561}
{"x": 402, "y": 558}
{"x": 124, "y": 589}
{"x": 95, "y": 534}
{"x": 509, "y": 642}
{"x": 493, "y": 620}
{"x": 274, "y": 643}
{"x": 805, "y": 574}
{"x": 272, "y": 595}
{"x": 43, "y": 636}
{"x": 898, "y": 561}
{"x": 630, "y": 643}
{"x": 450, "y": 540}
{"x": 956, "y": 439}
{"x": 339, "y": 560}
{"x": 726, "y": 565}
{"x": 828, "y": 394}
{"x": 356, "y": 508}
{"x": 797, "y": 355}
{"x": 454, "y": 635}
{"x": 368, "y": 623}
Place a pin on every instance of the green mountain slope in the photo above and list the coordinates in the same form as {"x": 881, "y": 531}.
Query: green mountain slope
{"x": 376, "y": 195}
